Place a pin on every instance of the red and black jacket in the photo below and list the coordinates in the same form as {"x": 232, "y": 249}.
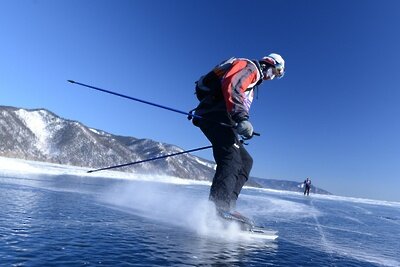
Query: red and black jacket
{"x": 233, "y": 82}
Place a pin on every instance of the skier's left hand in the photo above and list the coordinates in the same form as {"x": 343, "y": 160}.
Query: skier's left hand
{"x": 245, "y": 129}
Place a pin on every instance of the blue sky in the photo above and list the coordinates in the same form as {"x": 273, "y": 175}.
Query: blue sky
{"x": 334, "y": 116}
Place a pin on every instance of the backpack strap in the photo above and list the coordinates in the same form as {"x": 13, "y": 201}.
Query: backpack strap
{"x": 259, "y": 68}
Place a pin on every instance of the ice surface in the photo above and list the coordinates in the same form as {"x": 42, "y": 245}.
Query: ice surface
{"x": 335, "y": 225}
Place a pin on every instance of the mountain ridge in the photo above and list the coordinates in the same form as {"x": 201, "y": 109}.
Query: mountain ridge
{"x": 41, "y": 135}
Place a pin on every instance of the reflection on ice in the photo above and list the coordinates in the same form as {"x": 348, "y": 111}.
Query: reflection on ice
{"x": 334, "y": 226}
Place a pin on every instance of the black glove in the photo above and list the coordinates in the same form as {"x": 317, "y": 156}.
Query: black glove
{"x": 245, "y": 129}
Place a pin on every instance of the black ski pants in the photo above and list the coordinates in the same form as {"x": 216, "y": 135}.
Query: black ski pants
{"x": 307, "y": 190}
{"x": 233, "y": 162}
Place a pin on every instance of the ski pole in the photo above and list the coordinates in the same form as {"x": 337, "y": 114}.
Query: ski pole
{"x": 151, "y": 159}
{"x": 153, "y": 104}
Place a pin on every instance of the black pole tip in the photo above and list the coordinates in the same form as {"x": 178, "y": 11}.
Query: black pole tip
{"x": 89, "y": 171}
{"x": 71, "y": 81}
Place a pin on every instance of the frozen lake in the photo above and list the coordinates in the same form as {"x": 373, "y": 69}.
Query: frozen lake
{"x": 54, "y": 215}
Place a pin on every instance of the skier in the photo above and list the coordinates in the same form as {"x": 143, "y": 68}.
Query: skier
{"x": 225, "y": 95}
{"x": 307, "y": 186}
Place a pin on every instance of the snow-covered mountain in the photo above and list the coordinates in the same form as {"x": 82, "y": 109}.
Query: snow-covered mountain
{"x": 41, "y": 135}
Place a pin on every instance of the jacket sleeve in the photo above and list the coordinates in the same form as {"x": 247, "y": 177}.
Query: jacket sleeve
{"x": 234, "y": 85}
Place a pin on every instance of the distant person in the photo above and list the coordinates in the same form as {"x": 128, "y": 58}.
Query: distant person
{"x": 307, "y": 186}
{"x": 225, "y": 95}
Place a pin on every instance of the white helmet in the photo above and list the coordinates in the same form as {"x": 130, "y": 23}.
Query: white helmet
{"x": 276, "y": 61}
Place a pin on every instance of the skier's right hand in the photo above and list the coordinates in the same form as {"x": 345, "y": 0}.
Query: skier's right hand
{"x": 245, "y": 129}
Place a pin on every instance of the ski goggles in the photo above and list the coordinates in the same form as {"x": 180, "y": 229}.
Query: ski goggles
{"x": 279, "y": 70}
